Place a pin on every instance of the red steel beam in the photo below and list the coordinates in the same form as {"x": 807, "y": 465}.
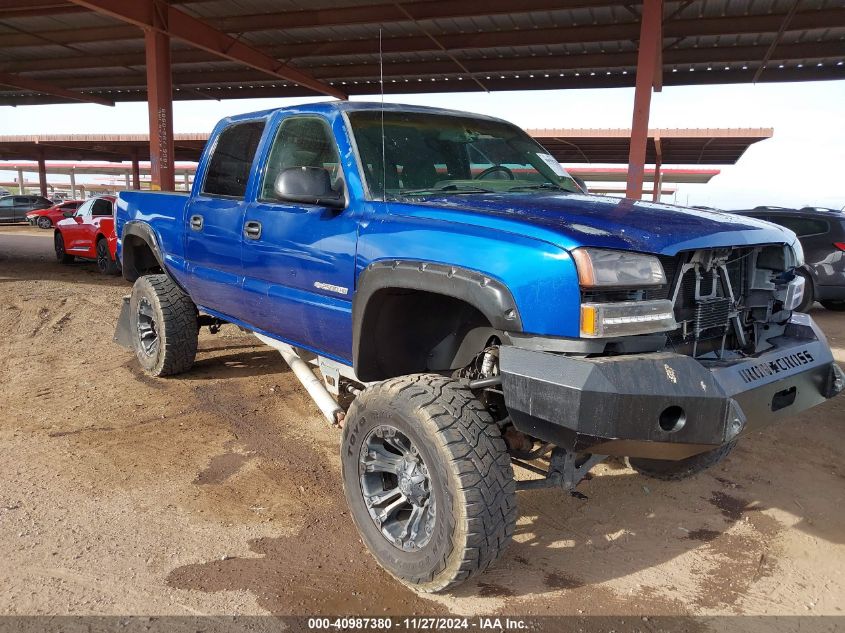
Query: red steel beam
{"x": 651, "y": 41}
{"x": 178, "y": 24}
{"x": 160, "y": 106}
{"x": 33, "y": 85}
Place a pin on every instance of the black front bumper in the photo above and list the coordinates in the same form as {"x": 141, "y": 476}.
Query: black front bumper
{"x": 664, "y": 405}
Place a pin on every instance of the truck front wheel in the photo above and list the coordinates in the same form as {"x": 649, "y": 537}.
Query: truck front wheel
{"x": 668, "y": 470}
{"x": 163, "y": 322}
{"x": 428, "y": 480}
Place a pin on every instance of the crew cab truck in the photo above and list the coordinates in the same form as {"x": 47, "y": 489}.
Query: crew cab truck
{"x": 442, "y": 272}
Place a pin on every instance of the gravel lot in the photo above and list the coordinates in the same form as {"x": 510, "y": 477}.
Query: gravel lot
{"x": 218, "y": 492}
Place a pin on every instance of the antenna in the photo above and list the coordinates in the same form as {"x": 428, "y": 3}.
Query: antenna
{"x": 383, "y": 152}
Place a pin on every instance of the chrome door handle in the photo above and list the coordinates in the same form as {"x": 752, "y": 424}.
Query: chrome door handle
{"x": 196, "y": 222}
{"x": 252, "y": 230}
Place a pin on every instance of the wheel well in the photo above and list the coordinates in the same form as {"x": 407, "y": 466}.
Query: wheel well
{"x": 138, "y": 258}
{"x": 412, "y": 331}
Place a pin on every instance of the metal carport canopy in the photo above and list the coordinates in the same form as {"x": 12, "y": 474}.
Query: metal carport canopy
{"x": 679, "y": 146}
{"x": 109, "y": 50}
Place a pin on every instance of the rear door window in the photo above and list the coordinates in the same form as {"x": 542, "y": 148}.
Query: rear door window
{"x": 231, "y": 161}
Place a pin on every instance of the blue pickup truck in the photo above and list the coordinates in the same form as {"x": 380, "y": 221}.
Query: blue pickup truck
{"x": 467, "y": 308}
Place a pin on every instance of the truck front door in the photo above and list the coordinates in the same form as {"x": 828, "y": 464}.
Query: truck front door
{"x": 214, "y": 219}
{"x": 299, "y": 259}
{"x": 73, "y": 231}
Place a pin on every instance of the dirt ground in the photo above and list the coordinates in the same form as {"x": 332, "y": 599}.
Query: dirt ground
{"x": 218, "y": 492}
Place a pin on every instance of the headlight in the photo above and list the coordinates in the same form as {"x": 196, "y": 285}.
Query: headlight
{"x": 797, "y": 254}
{"x": 626, "y": 318}
{"x": 598, "y": 268}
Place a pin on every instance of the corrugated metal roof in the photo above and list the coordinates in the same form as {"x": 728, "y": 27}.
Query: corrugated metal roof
{"x": 429, "y": 45}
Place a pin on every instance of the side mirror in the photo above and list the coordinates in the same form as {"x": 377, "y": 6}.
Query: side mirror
{"x": 68, "y": 214}
{"x": 308, "y": 185}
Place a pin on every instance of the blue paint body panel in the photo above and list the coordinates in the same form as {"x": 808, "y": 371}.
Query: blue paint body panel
{"x": 522, "y": 239}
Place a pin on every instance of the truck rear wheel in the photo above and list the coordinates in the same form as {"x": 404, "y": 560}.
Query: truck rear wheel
{"x": 163, "y": 322}
{"x": 428, "y": 480}
{"x": 669, "y": 470}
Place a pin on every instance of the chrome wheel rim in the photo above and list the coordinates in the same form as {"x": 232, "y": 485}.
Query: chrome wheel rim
{"x": 147, "y": 330}
{"x": 396, "y": 486}
{"x": 43, "y": 223}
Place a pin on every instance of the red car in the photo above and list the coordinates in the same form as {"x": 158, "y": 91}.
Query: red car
{"x": 89, "y": 234}
{"x": 46, "y": 218}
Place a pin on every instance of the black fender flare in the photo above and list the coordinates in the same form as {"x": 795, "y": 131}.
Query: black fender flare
{"x": 145, "y": 232}
{"x": 488, "y": 295}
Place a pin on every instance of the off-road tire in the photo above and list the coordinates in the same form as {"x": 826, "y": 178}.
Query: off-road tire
{"x": 471, "y": 478}
{"x": 836, "y": 306}
{"x": 61, "y": 254}
{"x": 809, "y": 295}
{"x": 43, "y": 222}
{"x": 105, "y": 264}
{"x": 175, "y": 321}
{"x": 669, "y": 470}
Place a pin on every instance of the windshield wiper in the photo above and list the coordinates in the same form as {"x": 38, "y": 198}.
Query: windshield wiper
{"x": 542, "y": 185}
{"x": 446, "y": 189}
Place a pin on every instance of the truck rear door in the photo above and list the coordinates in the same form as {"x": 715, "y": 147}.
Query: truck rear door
{"x": 214, "y": 219}
{"x": 299, "y": 259}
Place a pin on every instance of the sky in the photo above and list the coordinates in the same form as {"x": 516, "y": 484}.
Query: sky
{"x": 803, "y": 164}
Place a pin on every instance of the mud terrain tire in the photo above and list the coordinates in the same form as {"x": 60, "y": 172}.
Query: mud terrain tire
{"x": 163, "y": 323}
{"x": 452, "y": 439}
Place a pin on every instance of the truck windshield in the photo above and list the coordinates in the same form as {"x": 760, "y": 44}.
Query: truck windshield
{"x": 444, "y": 154}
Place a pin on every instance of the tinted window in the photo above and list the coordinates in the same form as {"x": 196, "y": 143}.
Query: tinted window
{"x": 101, "y": 207}
{"x": 69, "y": 206}
{"x": 228, "y": 171}
{"x": 300, "y": 142}
{"x": 802, "y": 226}
{"x": 23, "y": 200}
{"x": 404, "y": 153}
{"x": 7, "y": 202}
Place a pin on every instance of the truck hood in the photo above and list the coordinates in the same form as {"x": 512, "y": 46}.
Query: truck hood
{"x": 573, "y": 220}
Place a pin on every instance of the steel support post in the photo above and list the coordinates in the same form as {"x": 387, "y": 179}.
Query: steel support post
{"x": 658, "y": 170}
{"x": 136, "y": 173}
{"x": 649, "y": 68}
{"x": 42, "y": 176}
{"x": 160, "y": 105}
